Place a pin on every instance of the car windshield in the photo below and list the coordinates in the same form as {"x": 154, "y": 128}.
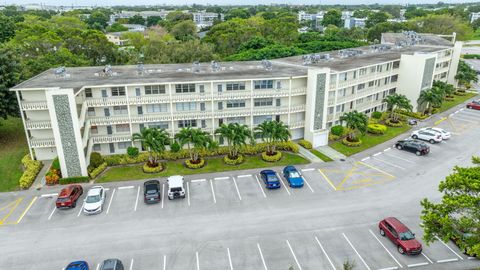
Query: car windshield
{"x": 294, "y": 174}
{"x": 151, "y": 189}
{"x": 93, "y": 199}
{"x": 176, "y": 189}
{"x": 408, "y": 235}
{"x": 272, "y": 178}
{"x": 62, "y": 199}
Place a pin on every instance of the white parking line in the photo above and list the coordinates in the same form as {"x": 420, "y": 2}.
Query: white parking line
{"x": 448, "y": 260}
{"x": 406, "y": 160}
{"x": 188, "y": 193}
{"x": 162, "y": 197}
{"x": 389, "y": 268}
{"x": 245, "y": 175}
{"x": 221, "y": 178}
{"x": 417, "y": 264}
{"x": 261, "y": 256}
{"x": 126, "y": 187}
{"x": 358, "y": 254}
{"x": 426, "y": 257}
{"x": 365, "y": 158}
{"x": 198, "y": 261}
{"x": 456, "y": 254}
{"x": 49, "y": 195}
{"x": 283, "y": 184}
{"x": 229, "y": 259}
{"x": 308, "y": 170}
{"x": 198, "y": 180}
{"x": 213, "y": 192}
{"x": 376, "y": 154}
{"x": 308, "y": 184}
{"x": 98, "y": 266}
{"x": 260, "y": 186}
{"x": 389, "y": 163}
{"x": 389, "y": 253}
{"x": 293, "y": 254}
{"x": 80, "y": 210}
{"x": 164, "y": 262}
{"x": 471, "y": 258}
{"x": 464, "y": 120}
{"x": 51, "y": 214}
{"x": 111, "y": 199}
{"x": 389, "y": 148}
{"x": 236, "y": 187}
{"x": 107, "y": 189}
{"x": 136, "y": 201}
{"x": 325, "y": 253}
{"x": 131, "y": 264}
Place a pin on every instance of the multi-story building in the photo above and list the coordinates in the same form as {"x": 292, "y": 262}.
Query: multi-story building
{"x": 71, "y": 112}
{"x": 204, "y": 19}
{"x": 474, "y": 16}
{"x": 355, "y": 22}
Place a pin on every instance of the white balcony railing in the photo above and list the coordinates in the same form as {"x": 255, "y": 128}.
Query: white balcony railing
{"x": 44, "y": 142}
{"x": 297, "y": 124}
{"x": 192, "y": 115}
{"x": 148, "y": 100}
{"x": 39, "y": 105}
{"x": 297, "y": 108}
{"x": 38, "y": 124}
{"x": 259, "y": 93}
{"x": 108, "y": 120}
{"x": 108, "y": 101}
{"x": 111, "y": 139}
{"x": 299, "y": 91}
{"x": 149, "y": 118}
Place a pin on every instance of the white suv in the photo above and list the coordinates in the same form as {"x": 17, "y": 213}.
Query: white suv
{"x": 445, "y": 134}
{"x": 427, "y": 135}
{"x": 175, "y": 187}
{"x": 94, "y": 200}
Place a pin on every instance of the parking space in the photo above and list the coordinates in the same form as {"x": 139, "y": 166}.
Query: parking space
{"x": 121, "y": 200}
{"x": 226, "y": 190}
{"x": 338, "y": 250}
{"x": 309, "y": 252}
{"x": 314, "y": 181}
{"x": 14, "y": 209}
{"x": 214, "y": 256}
{"x": 183, "y": 257}
{"x": 200, "y": 193}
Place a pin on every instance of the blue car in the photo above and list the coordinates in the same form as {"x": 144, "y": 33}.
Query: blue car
{"x": 293, "y": 176}
{"x": 78, "y": 265}
{"x": 270, "y": 179}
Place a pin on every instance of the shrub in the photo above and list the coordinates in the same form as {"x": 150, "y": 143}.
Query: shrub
{"x": 305, "y": 144}
{"x": 460, "y": 93}
{"x": 376, "y": 129}
{"x": 52, "y": 177}
{"x": 94, "y": 173}
{"x": 175, "y": 147}
{"x": 272, "y": 158}
{"x": 332, "y": 137}
{"x": 376, "y": 115}
{"x": 32, "y": 168}
{"x": 132, "y": 151}
{"x": 55, "y": 164}
{"x": 351, "y": 144}
{"x": 435, "y": 110}
{"x": 71, "y": 180}
{"x": 416, "y": 115}
{"x": 156, "y": 169}
{"x": 191, "y": 165}
{"x": 337, "y": 130}
{"x": 96, "y": 159}
{"x": 236, "y": 161}
{"x": 389, "y": 122}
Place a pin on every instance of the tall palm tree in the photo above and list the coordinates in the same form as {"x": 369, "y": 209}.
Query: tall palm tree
{"x": 446, "y": 89}
{"x": 196, "y": 140}
{"x": 355, "y": 121}
{"x": 429, "y": 98}
{"x": 236, "y": 135}
{"x": 272, "y": 132}
{"x": 465, "y": 74}
{"x": 154, "y": 141}
{"x": 397, "y": 101}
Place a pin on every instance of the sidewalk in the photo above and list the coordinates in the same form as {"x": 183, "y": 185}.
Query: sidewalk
{"x": 306, "y": 153}
{"x": 40, "y": 180}
{"x": 330, "y": 152}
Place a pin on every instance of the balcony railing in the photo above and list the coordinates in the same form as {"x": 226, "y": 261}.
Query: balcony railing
{"x": 259, "y": 93}
{"x": 38, "y": 124}
{"x": 149, "y": 118}
{"x": 297, "y": 108}
{"x": 297, "y": 124}
{"x": 232, "y": 95}
{"x": 148, "y": 99}
{"x": 111, "y": 138}
{"x": 191, "y": 97}
{"x": 44, "y": 142}
{"x": 108, "y": 101}
{"x": 192, "y": 115}
{"x": 299, "y": 91}
{"x": 108, "y": 120}
{"x": 40, "y": 105}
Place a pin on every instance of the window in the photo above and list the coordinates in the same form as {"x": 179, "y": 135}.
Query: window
{"x": 201, "y": 88}
{"x": 122, "y": 128}
{"x": 155, "y": 108}
{"x": 94, "y": 130}
{"x": 373, "y": 69}
{"x": 330, "y": 110}
{"x": 262, "y": 118}
{"x": 88, "y": 92}
{"x": 185, "y": 88}
{"x": 154, "y": 89}
{"x": 123, "y": 145}
{"x": 342, "y": 92}
{"x": 263, "y": 84}
{"x": 394, "y": 78}
{"x": 235, "y": 86}
{"x": 91, "y": 112}
{"x": 388, "y": 66}
{"x": 355, "y": 74}
{"x": 360, "y": 101}
{"x": 235, "y": 103}
{"x": 392, "y": 91}
{"x": 187, "y": 123}
{"x": 342, "y": 76}
{"x": 340, "y": 108}
{"x": 186, "y": 106}
{"x": 396, "y": 64}
{"x": 259, "y": 102}
{"x": 120, "y": 109}
{"x": 371, "y": 83}
{"x": 379, "y": 68}
{"x": 278, "y": 102}
{"x": 362, "y": 71}
{"x": 160, "y": 125}
{"x": 331, "y": 94}
{"x": 361, "y": 86}
{"x": 112, "y": 147}
{"x": 369, "y": 98}
{"x": 386, "y": 80}
{"x": 118, "y": 91}
{"x": 240, "y": 120}
{"x": 97, "y": 147}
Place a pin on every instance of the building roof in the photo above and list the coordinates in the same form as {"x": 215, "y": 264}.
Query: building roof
{"x": 411, "y": 37}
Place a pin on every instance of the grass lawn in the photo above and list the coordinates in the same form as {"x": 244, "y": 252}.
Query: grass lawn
{"x": 13, "y": 146}
{"x": 321, "y": 155}
{"x": 458, "y": 100}
{"x": 369, "y": 140}
{"x": 125, "y": 173}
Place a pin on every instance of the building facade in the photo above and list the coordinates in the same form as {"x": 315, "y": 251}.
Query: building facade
{"x": 73, "y": 112}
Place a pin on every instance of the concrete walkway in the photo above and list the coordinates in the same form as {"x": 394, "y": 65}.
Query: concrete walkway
{"x": 304, "y": 152}
{"x": 40, "y": 180}
{"x": 330, "y": 152}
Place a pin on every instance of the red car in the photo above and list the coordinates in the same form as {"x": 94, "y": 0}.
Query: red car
{"x": 474, "y": 105}
{"x": 400, "y": 235}
{"x": 67, "y": 198}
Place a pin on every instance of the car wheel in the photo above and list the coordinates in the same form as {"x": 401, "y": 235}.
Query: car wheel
{"x": 400, "y": 250}
{"x": 432, "y": 141}
{"x": 468, "y": 107}
{"x": 415, "y": 137}
{"x": 418, "y": 153}
{"x": 74, "y": 204}
{"x": 399, "y": 147}
{"x": 169, "y": 198}
{"x": 382, "y": 232}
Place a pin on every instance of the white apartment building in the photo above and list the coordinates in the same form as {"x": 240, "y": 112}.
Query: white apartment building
{"x": 474, "y": 16}
{"x": 72, "y": 112}
{"x": 204, "y": 19}
{"x": 355, "y": 22}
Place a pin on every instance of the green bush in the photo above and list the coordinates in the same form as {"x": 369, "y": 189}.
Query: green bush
{"x": 132, "y": 151}
{"x": 389, "y": 122}
{"x": 191, "y": 165}
{"x": 272, "y": 158}
{"x": 376, "y": 115}
{"x": 96, "y": 159}
{"x": 332, "y": 137}
{"x": 175, "y": 147}
{"x": 95, "y": 172}
{"x": 460, "y": 93}
{"x": 236, "y": 161}
{"x": 305, "y": 144}
{"x": 32, "y": 168}
{"x": 148, "y": 169}
{"x": 55, "y": 164}
{"x": 337, "y": 130}
{"x": 435, "y": 110}
{"x": 351, "y": 144}
{"x": 72, "y": 180}
{"x": 416, "y": 115}
{"x": 376, "y": 129}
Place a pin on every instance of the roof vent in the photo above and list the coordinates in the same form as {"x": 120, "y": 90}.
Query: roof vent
{"x": 140, "y": 68}
{"x": 107, "y": 71}
{"x": 196, "y": 67}
{"x": 215, "y": 66}
{"x": 61, "y": 72}
{"x": 267, "y": 64}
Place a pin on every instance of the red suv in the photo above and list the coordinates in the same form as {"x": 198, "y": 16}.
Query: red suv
{"x": 400, "y": 235}
{"x": 474, "y": 105}
{"x": 67, "y": 198}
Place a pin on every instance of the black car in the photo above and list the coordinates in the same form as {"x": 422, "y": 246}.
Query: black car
{"x": 414, "y": 146}
{"x": 151, "y": 191}
{"x": 112, "y": 264}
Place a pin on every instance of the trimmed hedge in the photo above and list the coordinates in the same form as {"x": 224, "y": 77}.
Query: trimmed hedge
{"x": 191, "y": 165}
{"x": 32, "y": 168}
{"x": 337, "y": 130}
{"x": 96, "y": 160}
{"x": 332, "y": 137}
{"x": 240, "y": 159}
{"x": 148, "y": 169}
{"x": 351, "y": 144}
{"x": 376, "y": 115}
{"x": 389, "y": 122}
{"x": 305, "y": 144}
{"x": 132, "y": 151}
{"x": 376, "y": 129}
{"x": 274, "y": 158}
{"x": 95, "y": 172}
{"x": 416, "y": 115}
{"x": 72, "y": 180}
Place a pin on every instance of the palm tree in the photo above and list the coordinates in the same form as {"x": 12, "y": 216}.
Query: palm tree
{"x": 446, "y": 89}
{"x": 272, "y": 132}
{"x": 397, "y": 101}
{"x": 236, "y": 135}
{"x": 154, "y": 141}
{"x": 430, "y": 98}
{"x": 465, "y": 74}
{"x": 196, "y": 140}
{"x": 355, "y": 121}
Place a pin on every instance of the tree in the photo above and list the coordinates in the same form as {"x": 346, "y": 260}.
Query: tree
{"x": 136, "y": 19}
{"x": 457, "y": 215}
{"x": 236, "y": 135}
{"x": 272, "y": 132}
{"x": 375, "y": 18}
{"x": 184, "y": 30}
{"x": 116, "y": 27}
{"x": 7, "y": 28}
{"x": 237, "y": 13}
{"x": 178, "y": 16}
{"x": 361, "y": 13}
{"x": 393, "y": 10}
{"x": 355, "y": 122}
{"x": 154, "y": 141}
{"x": 153, "y": 20}
{"x": 10, "y": 74}
{"x": 196, "y": 140}
{"x": 476, "y": 24}
{"x": 332, "y": 17}
{"x": 98, "y": 20}
{"x": 465, "y": 74}
{"x": 445, "y": 24}
{"x": 429, "y": 98}
{"x": 447, "y": 89}
{"x": 397, "y": 101}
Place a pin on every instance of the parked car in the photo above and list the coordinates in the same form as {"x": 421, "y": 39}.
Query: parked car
{"x": 293, "y": 176}
{"x": 151, "y": 191}
{"x": 400, "y": 235}
{"x": 270, "y": 179}
{"x": 67, "y": 198}
{"x": 176, "y": 188}
{"x": 111, "y": 264}
{"x": 425, "y": 135}
{"x": 445, "y": 134}
{"x": 94, "y": 201}
{"x": 412, "y": 122}
{"x": 460, "y": 237}
{"x": 414, "y": 146}
{"x": 474, "y": 105}
{"x": 78, "y": 265}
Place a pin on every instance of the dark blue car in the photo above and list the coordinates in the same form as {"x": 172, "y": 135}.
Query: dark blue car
{"x": 293, "y": 176}
{"x": 78, "y": 265}
{"x": 270, "y": 179}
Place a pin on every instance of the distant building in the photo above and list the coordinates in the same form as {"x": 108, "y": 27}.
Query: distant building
{"x": 116, "y": 38}
{"x": 135, "y": 27}
{"x": 346, "y": 14}
{"x": 355, "y": 22}
{"x": 317, "y": 18}
{"x": 205, "y": 19}
{"x": 474, "y": 16}
{"x": 51, "y": 7}
{"x": 397, "y": 20}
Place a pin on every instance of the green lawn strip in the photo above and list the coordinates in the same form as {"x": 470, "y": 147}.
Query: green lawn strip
{"x": 125, "y": 173}
{"x": 13, "y": 146}
{"x": 458, "y": 100}
{"x": 320, "y": 155}
{"x": 369, "y": 140}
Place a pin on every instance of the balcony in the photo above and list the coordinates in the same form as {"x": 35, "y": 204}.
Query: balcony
{"x": 44, "y": 142}
{"x": 31, "y": 106}
{"x": 38, "y": 124}
{"x": 260, "y": 93}
{"x": 148, "y": 99}
{"x": 297, "y": 108}
{"x": 192, "y": 115}
{"x": 111, "y": 139}
{"x": 149, "y": 118}
{"x": 110, "y": 101}
{"x": 299, "y": 91}
{"x": 271, "y": 110}
{"x": 233, "y": 112}
{"x": 191, "y": 97}
{"x": 109, "y": 120}
{"x": 238, "y": 94}
{"x": 297, "y": 124}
